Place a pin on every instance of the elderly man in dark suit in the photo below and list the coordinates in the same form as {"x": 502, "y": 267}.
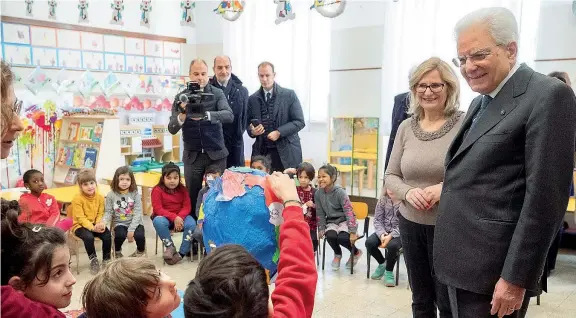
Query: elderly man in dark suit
{"x": 278, "y": 116}
{"x": 201, "y": 132}
{"x": 507, "y": 174}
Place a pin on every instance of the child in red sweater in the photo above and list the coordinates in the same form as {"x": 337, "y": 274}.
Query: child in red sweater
{"x": 172, "y": 207}
{"x": 38, "y": 207}
{"x": 306, "y": 191}
{"x": 231, "y": 283}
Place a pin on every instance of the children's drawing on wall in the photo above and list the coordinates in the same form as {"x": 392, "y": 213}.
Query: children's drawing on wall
{"x": 146, "y": 8}
{"x": 83, "y": 11}
{"x": 29, "y": 4}
{"x": 284, "y": 11}
{"x": 187, "y": 7}
{"x": 117, "y": 8}
{"x": 52, "y": 4}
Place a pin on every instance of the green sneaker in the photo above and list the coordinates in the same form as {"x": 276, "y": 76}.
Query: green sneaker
{"x": 378, "y": 273}
{"x": 389, "y": 280}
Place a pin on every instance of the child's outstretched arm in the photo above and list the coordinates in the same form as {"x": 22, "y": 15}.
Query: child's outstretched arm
{"x": 297, "y": 276}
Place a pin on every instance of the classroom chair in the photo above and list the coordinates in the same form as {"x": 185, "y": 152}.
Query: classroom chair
{"x": 361, "y": 211}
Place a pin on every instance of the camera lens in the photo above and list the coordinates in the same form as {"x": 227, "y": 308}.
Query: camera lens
{"x": 183, "y": 98}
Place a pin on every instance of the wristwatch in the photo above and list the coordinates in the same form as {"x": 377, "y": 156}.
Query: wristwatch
{"x": 206, "y": 116}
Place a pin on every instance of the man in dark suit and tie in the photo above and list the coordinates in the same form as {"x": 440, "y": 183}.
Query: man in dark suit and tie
{"x": 279, "y": 115}
{"x": 201, "y": 132}
{"x": 399, "y": 113}
{"x": 507, "y": 175}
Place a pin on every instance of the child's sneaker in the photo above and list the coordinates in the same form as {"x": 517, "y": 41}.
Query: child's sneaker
{"x": 389, "y": 279}
{"x": 94, "y": 266}
{"x": 336, "y": 263}
{"x": 356, "y": 258}
{"x": 378, "y": 273}
{"x": 176, "y": 257}
{"x": 168, "y": 253}
{"x": 137, "y": 254}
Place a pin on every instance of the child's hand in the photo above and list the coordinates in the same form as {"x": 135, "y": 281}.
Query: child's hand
{"x": 99, "y": 228}
{"x": 353, "y": 237}
{"x": 130, "y": 237}
{"x": 309, "y": 204}
{"x": 178, "y": 224}
{"x": 290, "y": 170}
{"x": 320, "y": 234}
{"x": 384, "y": 240}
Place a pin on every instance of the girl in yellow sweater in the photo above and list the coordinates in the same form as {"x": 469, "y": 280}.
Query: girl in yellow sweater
{"x": 87, "y": 212}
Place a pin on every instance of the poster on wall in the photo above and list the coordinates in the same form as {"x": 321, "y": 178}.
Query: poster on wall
{"x": 154, "y": 65}
{"x": 134, "y": 46}
{"x": 114, "y": 62}
{"x": 154, "y": 48}
{"x": 43, "y": 36}
{"x": 69, "y": 59}
{"x": 113, "y": 44}
{"x": 172, "y": 66}
{"x": 16, "y": 33}
{"x": 172, "y": 50}
{"x": 92, "y": 41}
{"x": 93, "y": 60}
{"x": 18, "y": 54}
{"x": 45, "y": 57}
{"x": 68, "y": 39}
{"x": 135, "y": 64}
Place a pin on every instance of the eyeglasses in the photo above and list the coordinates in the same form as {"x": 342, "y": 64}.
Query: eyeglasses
{"x": 479, "y": 56}
{"x": 17, "y": 106}
{"x": 434, "y": 88}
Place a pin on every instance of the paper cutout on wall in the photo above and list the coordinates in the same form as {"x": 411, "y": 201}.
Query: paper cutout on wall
{"x": 83, "y": 11}
{"x": 146, "y": 8}
{"x": 109, "y": 84}
{"x": 187, "y": 7}
{"x": 62, "y": 83}
{"x": 87, "y": 83}
{"x": 29, "y": 4}
{"x": 36, "y": 80}
{"x": 329, "y": 8}
{"x": 284, "y": 11}
{"x": 230, "y": 9}
{"x": 117, "y": 8}
{"x": 52, "y": 4}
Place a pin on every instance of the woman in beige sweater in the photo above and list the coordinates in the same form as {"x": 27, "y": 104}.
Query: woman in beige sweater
{"x": 415, "y": 173}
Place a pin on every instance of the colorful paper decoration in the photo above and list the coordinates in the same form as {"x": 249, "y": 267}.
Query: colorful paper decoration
{"x": 36, "y": 80}
{"x": 330, "y": 9}
{"x": 146, "y": 8}
{"x": 87, "y": 83}
{"x": 117, "y": 8}
{"x": 62, "y": 84}
{"x": 52, "y": 4}
{"x": 109, "y": 84}
{"x": 187, "y": 7}
{"x": 29, "y": 4}
{"x": 230, "y": 9}
{"x": 284, "y": 11}
{"x": 83, "y": 11}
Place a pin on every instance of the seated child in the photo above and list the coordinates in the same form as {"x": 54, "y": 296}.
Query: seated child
{"x": 124, "y": 207}
{"x": 36, "y": 276}
{"x": 386, "y": 235}
{"x": 88, "y": 211}
{"x": 261, "y": 163}
{"x": 38, "y": 207}
{"x": 130, "y": 287}
{"x": 211, "y": 174}
{"x": 306, "y": 174}
{"x": 172, "y": 207}
{"x": 230, "y": 282}
{"x": 337, "y": 221}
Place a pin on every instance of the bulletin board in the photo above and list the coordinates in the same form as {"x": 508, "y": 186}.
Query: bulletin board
{"x": 82, "y": 48}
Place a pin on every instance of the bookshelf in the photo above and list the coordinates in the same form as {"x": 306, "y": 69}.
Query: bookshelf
{"x": 170, "y": 150}
{"x": 87, "y": 142}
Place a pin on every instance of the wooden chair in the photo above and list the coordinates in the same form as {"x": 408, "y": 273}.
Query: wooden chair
{"x": 361, "y": 211}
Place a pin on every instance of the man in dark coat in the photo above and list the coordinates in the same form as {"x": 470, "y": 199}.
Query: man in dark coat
{"x": 237, "y": 96}
{"x": 399, "y": 113}
{"x": 279, "y": 118}
{"x": 201, "y": 132}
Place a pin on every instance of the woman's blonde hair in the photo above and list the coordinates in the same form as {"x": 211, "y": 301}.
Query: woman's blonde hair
{"x": 122, "y": 289}
{"x": 448, "y": 76}
{"x": 7, "y": 108}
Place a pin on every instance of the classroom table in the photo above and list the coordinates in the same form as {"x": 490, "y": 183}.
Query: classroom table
{"x": 370, "y": 157}
{"x": 64, "y": 194}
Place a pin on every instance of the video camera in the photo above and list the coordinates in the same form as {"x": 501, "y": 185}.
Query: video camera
{"x": 194, "y": 98}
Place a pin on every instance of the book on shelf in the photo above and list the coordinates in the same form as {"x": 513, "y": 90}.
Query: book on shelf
{"x": 90, "y": 157}
{"x": 71, "y": 176}
{"x": 97, "y": 133}
{"x": 73, "y": 130}
{"x": 86, "y": 132}
{"x": 67, "y": 155}
{"x": 78, "y": 159}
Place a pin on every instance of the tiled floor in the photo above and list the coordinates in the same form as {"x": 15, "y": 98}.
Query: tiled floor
{"x": 340, "y": 294}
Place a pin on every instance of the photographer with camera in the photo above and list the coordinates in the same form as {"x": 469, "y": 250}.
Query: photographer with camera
{"x": 200, "y": 110}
